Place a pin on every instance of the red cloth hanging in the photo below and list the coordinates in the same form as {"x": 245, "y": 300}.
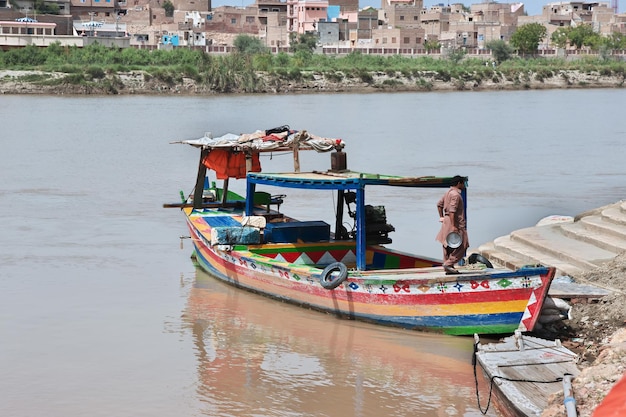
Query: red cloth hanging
{"x": 227, "y": 164}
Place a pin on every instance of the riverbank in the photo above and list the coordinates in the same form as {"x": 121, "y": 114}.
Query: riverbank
{"x": 596, "y": 331}
{"x": 142, "y": 83}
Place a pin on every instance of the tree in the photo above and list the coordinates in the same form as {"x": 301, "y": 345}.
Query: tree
{"x": 500, "y": 50}
{"x": 246, "y": 44}
{"x": 169, "y": 8}
{"x": 616, "y": 41}
{"x": 46, "y": 8}
{"x": 306, "y": 42}
{"x": 432, "y": 45}
{"x": 560, "y": 37}
{"x": 527, "y": 37}
{"x": 455, "y": 55}
{"x": 582, "y": 35}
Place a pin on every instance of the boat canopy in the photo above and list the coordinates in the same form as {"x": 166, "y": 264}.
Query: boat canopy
{"x": 343, "y": 181}
{"x": 232, "y": 155}
{"x": 277, "y": 139}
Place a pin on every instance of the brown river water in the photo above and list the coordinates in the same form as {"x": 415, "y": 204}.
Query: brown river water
{"x": 103, "y": 314}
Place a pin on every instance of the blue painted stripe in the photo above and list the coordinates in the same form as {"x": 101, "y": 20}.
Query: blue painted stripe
{"x": 497, "y": 319}
{"x": 221, "y": 221}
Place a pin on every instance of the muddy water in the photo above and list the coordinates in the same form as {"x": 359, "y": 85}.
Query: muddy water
{"x": 102, "y": 313}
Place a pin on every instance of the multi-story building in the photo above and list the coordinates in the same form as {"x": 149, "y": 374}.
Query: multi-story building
{"x": 368, "y": 19}
{"x": 398, "y": 24}
{"x": 303, "y": 15}
{"x": 404, "y": 15}
{"x": 495, "y": 21}
{"x": 435, "y": 20}
{"x": 403, "y": 38}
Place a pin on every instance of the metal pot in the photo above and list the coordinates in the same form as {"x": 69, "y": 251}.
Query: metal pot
{"x": 454, "y": 240}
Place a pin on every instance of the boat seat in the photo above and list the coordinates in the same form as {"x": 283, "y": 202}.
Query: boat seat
{"x": 262, "y": 198}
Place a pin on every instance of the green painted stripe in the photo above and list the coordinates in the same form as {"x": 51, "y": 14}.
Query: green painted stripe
{"x": 469, "y": 330}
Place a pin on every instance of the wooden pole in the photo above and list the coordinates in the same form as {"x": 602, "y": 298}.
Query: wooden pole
{"x": 339, "y": 220}
{"x": 225, "y": 192}
{"x": 296, "y": 159}
{"x": 248, "y": 162}
{"x": 197, "y": 195}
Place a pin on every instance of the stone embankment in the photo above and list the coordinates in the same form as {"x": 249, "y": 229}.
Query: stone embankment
{"x": 591, "y": 249}
{"x": 575, "y": 246}
{"x": 142, "y": 83}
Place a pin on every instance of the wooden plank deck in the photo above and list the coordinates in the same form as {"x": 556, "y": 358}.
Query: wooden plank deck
{"x": 526, "y": 370}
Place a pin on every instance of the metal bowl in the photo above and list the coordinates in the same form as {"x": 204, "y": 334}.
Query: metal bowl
{"x": 454, "y": 240}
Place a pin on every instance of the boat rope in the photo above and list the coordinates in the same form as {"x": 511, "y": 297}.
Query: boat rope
{"x": 493, "y": 378}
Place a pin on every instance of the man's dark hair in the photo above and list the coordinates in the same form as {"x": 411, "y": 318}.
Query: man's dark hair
{"x": 457, "y": 179}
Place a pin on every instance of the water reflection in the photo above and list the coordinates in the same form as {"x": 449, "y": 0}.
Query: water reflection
{"x": 260, "y": 357}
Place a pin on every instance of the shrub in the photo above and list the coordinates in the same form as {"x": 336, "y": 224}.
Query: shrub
{"x": 95, "y": 72}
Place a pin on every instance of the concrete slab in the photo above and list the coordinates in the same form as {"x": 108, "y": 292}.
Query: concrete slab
{"x": 551, "y": 240}
{"x": 594, "y": 230}
{"x": 601, "y": 225}
{"x": 615, "y": 214}
{"x": 526, "y": 254}
{"x": 592, "y": 239}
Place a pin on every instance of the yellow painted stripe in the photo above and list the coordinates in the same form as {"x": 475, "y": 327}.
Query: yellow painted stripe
{"x": 442, "y": 310}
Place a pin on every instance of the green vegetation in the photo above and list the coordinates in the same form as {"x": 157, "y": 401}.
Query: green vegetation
{"x": 169, "y": 8}
{"x": 431, "y": 45}
{"x": 246, "y": 44}
{"x": 583, "y": 36}
{"x": 527, "y": 37}
{"x": 500, "y": 50}
{"x": 303, "y": 43}
{"x": 254, "y": 69}
{"x": 43, "y": 7}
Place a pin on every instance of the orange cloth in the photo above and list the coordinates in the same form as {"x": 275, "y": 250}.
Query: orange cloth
{"x": 230, "y": 165}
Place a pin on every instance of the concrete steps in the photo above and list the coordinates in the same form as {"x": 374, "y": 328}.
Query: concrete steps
{"x": 573, "y": 247}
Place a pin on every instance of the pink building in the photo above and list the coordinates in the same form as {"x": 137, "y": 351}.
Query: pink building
{"x": 303, "y": 15}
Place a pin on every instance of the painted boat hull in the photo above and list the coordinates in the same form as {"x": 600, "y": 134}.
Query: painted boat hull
{"x": 482, "y": 302}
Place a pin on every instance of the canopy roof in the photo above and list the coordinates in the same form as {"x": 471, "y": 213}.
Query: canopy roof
{"x": 277, "y": 139}
{"x": 344, "y": 180}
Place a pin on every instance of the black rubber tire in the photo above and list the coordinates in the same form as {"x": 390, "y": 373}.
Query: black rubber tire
{"x": 476, "y": 258}
{"x": 328, "y": 280}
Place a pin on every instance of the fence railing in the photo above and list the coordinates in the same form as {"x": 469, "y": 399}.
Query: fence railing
{"x": 409, "y": 52}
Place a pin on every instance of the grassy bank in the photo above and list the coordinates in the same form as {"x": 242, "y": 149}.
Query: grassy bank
{"x": 97, "y": 69}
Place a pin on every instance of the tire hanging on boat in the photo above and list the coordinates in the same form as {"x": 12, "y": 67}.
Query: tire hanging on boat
{"x": 476, "y": 258}
{"x": 333, "y": 275}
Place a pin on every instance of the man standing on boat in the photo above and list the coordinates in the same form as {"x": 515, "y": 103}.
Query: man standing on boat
{"x": 452, "y": 217}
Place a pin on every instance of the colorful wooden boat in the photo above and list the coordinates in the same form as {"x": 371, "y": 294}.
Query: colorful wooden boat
{"x": 248, "y": 242}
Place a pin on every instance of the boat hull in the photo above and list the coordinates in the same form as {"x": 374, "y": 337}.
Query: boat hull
{"x": 494, "y": 302}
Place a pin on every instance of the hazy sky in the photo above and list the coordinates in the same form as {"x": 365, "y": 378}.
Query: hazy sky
{"x": 532, "y": 7}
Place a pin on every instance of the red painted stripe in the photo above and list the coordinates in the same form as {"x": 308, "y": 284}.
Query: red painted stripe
{"x": 442, "y": 298}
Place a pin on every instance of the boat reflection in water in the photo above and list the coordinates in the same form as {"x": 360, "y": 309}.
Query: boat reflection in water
{"x": 257, "y": 357}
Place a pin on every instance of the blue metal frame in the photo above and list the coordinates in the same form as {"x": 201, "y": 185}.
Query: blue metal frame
{"x": 349, "y": 183}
